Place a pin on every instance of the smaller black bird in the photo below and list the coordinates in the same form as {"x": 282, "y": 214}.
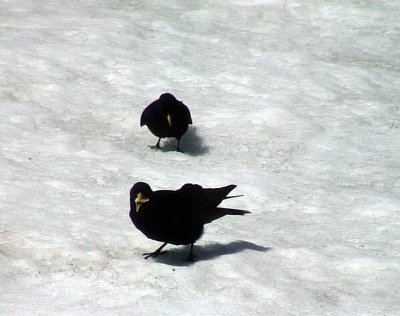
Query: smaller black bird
{"x": 177, "y": 217}
{"x": 166, "y": 117}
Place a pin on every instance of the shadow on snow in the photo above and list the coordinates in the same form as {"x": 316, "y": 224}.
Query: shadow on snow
{"x": 177, "y": 256}
{"x": 191, "y": 143}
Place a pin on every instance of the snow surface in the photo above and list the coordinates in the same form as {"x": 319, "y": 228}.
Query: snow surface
{"x": 296, "y": 102}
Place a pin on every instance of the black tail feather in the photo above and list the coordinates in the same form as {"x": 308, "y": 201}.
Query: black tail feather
{"x": 233, "y": 196}
{"x": 222, "y": 211}
{"x": 232, "y": 211}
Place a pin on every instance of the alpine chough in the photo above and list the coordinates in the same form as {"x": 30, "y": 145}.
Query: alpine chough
{"x": 166, "y": 117}
{"x": 177, "y": 217}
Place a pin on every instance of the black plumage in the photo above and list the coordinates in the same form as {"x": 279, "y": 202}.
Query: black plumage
{"x": 166, "y": 117}
{"x": 177, "y": 217}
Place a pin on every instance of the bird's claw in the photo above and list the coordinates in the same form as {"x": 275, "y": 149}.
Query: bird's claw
{"x": 153, "y": 254}
{"x": 190, "y": 258}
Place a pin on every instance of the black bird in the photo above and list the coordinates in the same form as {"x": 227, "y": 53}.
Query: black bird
{"x": 166, "y": 117}
{"x": 177, "y": 217}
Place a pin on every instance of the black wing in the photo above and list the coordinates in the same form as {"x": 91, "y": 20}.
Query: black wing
{"x": 203, "y": 203}
{"x": 144, "y": 119}
{"x": 186, "y": 113}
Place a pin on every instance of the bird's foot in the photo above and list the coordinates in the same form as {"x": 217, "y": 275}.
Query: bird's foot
{"x": 190, "y": 258}
{"x": 156, "y": 146}
{"x": 153, "y": 254}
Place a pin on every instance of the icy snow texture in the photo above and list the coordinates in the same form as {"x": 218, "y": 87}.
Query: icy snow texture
{"x": 296, "y": 102}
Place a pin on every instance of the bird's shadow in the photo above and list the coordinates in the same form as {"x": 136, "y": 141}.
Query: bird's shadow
{"x": 191, "y": 143}
{"x": 176, "y": 256}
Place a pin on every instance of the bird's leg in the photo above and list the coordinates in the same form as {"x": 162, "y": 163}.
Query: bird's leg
{"x": 155, "y": 253}
{"x": 156, "y": 146}
{"x": 191, "y": 255}
{"x": 178, "y": 148}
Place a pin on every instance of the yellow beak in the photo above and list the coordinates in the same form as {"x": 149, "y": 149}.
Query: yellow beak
{"x": 169, "y": 118}
{"x": 140, "y": 199}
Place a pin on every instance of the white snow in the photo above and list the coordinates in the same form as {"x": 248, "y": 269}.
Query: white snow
{"x": 296, "y": 102}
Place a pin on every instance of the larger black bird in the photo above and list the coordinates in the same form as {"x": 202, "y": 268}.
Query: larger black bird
{"x": 166, "y": 117}
{"x": 177, "y": 217}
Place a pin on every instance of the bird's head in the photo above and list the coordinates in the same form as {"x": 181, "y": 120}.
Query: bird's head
{"x": 140, "y": 193}
{"x": 167, "y": 103}
{"x": 167, "y": 98}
